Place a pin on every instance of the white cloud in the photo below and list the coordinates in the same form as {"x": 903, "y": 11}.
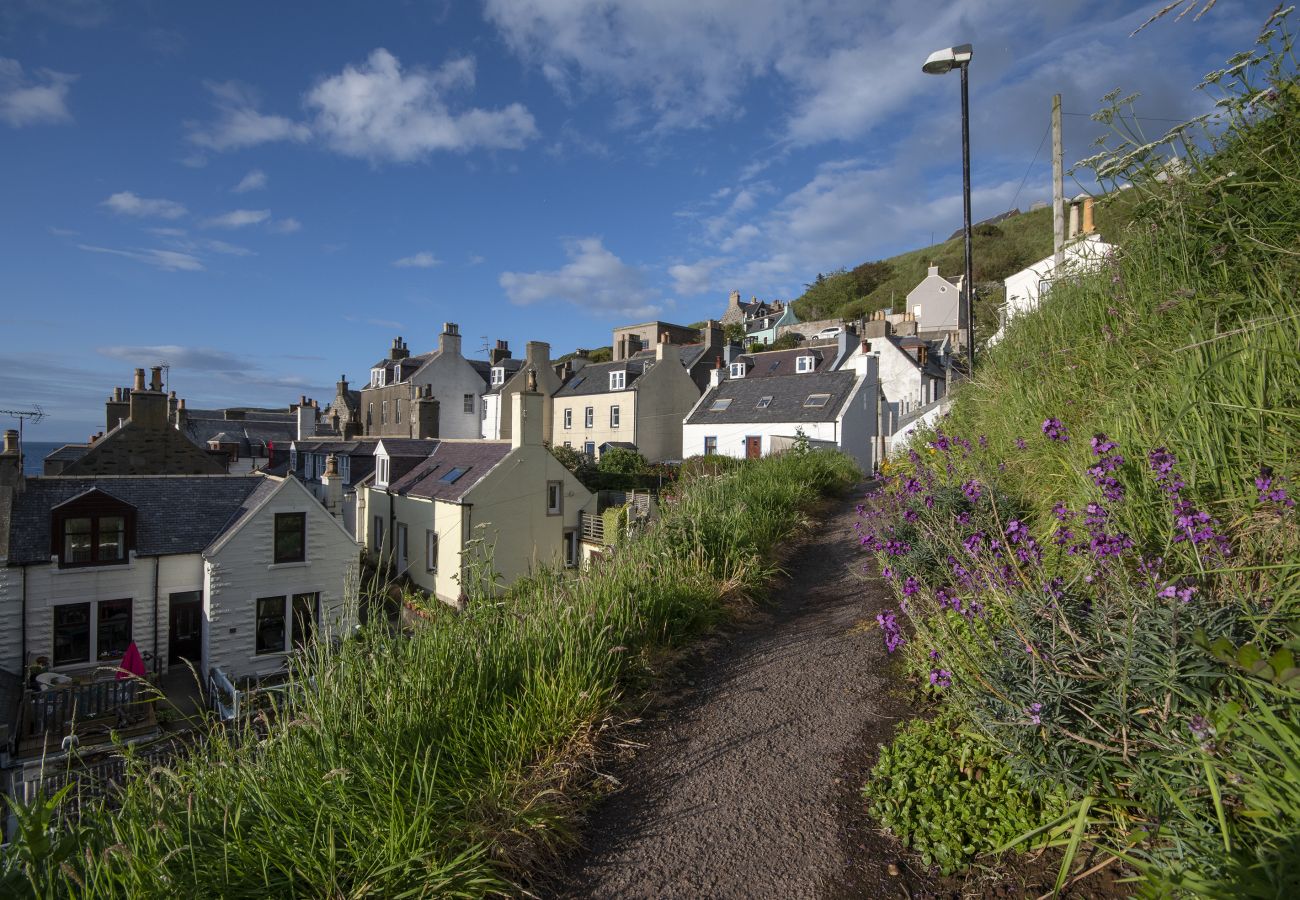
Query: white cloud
{"x": 223, "y": 247}
{"x": 201, "y": 359}
{"x": 286, "y": 225}
{"x": 740, "y": 238}
{"x": 422, "y": 260}
{"x": 167, "y": 260}
{"x": 377, "y": 111}
{"x": 128, "y": 204}
{"x": 475, "y": 260}
{"x": 167, "y": 232}
{"x": 33, "y": 101}
{"x": 593, "y": 279}
{"x": 690, "y": 279}
{"x": 238, "y": 218}
{"x": 253, "y": 181}
{"x": 62, "y": 232}
{"x": 239, "y": 123}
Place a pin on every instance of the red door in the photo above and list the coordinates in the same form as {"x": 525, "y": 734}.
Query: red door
{"x": 753, "y": 447}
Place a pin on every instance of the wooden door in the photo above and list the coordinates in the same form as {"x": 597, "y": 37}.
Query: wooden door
{"x": 753, "y": 447}
{"x": 185, "y": 631}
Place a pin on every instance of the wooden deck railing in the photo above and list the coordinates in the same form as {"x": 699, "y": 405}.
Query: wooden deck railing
{"x": 54, "y": 709}
{"x": 593, "y": 527}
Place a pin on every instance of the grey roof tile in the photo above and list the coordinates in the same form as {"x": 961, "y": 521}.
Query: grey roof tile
{"x": 789, "y": 394}
{"x": 174, "y": 514}
{"x": 474, "y": 458}
{"x": 594, "y": 378}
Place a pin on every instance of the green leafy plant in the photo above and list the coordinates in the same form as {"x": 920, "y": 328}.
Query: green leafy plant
{"x": 950, "y": 796}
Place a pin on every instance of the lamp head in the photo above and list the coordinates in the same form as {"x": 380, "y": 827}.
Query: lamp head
{"x": 943, "y": 61}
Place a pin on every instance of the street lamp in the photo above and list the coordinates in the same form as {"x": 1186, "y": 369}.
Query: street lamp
{"x": 941, "y": 62}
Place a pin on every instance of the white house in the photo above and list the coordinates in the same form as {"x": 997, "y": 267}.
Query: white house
{"x": 1024, "y": 289}
{"x": 764, "y": 402}
{"x": 221, "y": 571}
{"x": 936, "y": 305}
{"x": 914, "y": 373}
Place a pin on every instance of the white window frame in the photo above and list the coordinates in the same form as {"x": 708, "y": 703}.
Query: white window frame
{"x": 431, "y": 551}
{"x": 618, "y": 380}
{"x": 498, "y": 375}
{"x": 738, "y": 370}
{"x": 399, "y": 544}
{"x": 554, "y": 498}
{"x": 467, "y": 404}
{"x": 382, "y": 470}
{"x": 568, "y": 418}
{"x": 614, "y": 416}
{"x": 589, "y": 417}
{"x": 804, "y": 364}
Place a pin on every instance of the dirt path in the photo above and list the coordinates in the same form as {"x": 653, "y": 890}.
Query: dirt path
{"x": 748, "y": 781}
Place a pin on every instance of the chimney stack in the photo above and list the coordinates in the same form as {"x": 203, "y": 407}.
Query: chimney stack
{"x": 1087, "y": 216}
{"x": 11, "y": 462}
{"x": 449, "y": 340}
{"x": 139, "y": 380}
{"x": 116, "y": 409}
{"x": 333, "y": 484}
{"x": 526, "y": 419}
{"x": 1074, "y": 219}
{"x": 155, "y": 380}
{"x": 499, "y": 352}
{"x": 148, "y": 408}
{"x": 398, "y": 350}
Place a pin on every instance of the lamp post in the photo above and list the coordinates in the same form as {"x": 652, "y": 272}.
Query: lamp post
{"x": 941, "y": 62}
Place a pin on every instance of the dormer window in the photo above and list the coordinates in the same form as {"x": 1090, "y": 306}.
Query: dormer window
{"x": 377, "y": 377}
{"x": 738, "y": 370}
{"x": 92, "y": 530}
{"x": 381, "y": 470}
{"x": 805, "y": 363}
{"x": 498, "y": 375}
{"x": 618, "y": 380}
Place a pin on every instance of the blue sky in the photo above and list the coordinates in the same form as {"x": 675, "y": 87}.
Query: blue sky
{"x": 264, "y": 195}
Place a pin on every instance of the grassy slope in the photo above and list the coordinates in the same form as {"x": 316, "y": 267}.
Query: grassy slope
{"x": 1190, "y": 342}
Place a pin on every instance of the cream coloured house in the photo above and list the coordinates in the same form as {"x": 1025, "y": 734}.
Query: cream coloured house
{"x": 471, "y": 508}
{"x": 635, "y": 403}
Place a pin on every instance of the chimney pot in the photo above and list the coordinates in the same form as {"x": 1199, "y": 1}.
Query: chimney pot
{"x": 139, "y": 380}
{"x": 11, "y": 440}
{"x": 155, "y": 379}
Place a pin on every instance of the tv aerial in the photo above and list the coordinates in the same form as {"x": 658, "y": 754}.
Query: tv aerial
{"x": 35, "y": 414}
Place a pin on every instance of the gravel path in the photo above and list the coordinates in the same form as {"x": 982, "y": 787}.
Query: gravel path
{"x": 748, "y": 781}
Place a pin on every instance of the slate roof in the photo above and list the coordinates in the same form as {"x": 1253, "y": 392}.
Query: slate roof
{"x": 690, "y": 354}
{"x": 776, "y": 363}
{"x": 174, "y": 514}
{"x": 787, "y": 404}
{"x": 254, "y": 432}
{"x": 68, "y": 452}
{"x": 476, "y": 458}
{"x": 341, "y": 447}
{"x": 593, "y": 378}
{"x": 406, "y": 447}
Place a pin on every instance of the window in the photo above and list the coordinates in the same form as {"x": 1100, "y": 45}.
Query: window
{"x": 453, "y": 474}
{"x": 618, "y": 380}
{"x": 590, "y": 418}
{"x": 817, "y": 400}
{"x": 719, "y": 405}
{"x": 577, "y": 381}
{"x": 377, "y": 377}
{"x": 306, "y": 612}
{"x": 71, "y": 633}
{"x": 383, "y": 413}
{"x": 290, "y": 537}
{"x": 613, "y": 417}
{"x": 763, "y": 403}
{"x": 568, "y": 418}
{"x": 498, "y": 375}
{"x": 589, "y": 448}
{"x": 400, "y": 543}
{"x": 93, "y": 540}
{"x": 571, "y": 549}
{"x": 293, "y": 458}
{"x": 568, "y": 444}
{"x": 738, "y": 370}
{"x": 469, "y": 403}
{"x": 554, "y": 498}
{"x": 275, "y": 615}
{"x": 397, "y": 411}
{"x": 381, "y": 470}
{"x": 805, "y": 364}
{"x": 86, "y": 632}
{"x": 431, "y": 552}
{"x": 710, "y": 445}
{"x": 377, "y": 535}
{"x": 370, "y": 412}
{"x": 776, "y": 364}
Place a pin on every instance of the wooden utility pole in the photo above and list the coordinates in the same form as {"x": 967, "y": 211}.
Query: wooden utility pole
{"x": 1058, "y": 187}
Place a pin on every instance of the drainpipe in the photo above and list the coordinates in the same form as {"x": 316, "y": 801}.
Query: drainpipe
{"x": 24, "y": 621}
{"x": 157, "y": 562}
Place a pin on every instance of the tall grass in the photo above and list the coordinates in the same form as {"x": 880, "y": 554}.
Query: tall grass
{"x": 446, "y": 761}
{"x": 1082, "y": 649}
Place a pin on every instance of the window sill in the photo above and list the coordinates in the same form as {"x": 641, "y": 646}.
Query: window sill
{"x": 69, "y": 568}
{"x": 300, "y": 564}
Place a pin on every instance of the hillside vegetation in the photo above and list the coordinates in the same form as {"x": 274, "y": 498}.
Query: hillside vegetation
{"x": 1097, "y": 554}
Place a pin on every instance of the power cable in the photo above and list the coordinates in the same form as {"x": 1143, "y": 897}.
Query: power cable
{"x": 1030, "y": 167}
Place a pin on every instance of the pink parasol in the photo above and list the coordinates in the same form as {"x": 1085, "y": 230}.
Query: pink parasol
{"x": 132, "y": 663}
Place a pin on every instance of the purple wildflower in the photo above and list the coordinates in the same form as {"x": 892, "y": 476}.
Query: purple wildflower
{"x": 1101, "y": 445}
{"x": 1020, "y": 444}
{"x": 911, "y": 586}
{"x": 1055, "y": 431}
{"x": 934, "y": 654}
{"x": 1201, "y": 728}
{"x": 1017, "y": 531}
{"x": 912, "y": 486}
{"x": 1269, "y": 493}
{"x": 940, "y": 678}
{"x": 1062, "y": 512}
{"x": 1035, "y": 713}
{"x": 888, "y": 623}
{"x": 983, "y": 441}
{"x": 972, "y": 490}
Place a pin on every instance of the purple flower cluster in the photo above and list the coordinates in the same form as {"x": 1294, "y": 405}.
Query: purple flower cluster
{"x": 1268, "y": 491}
{"x": 1035, "y": 713}
{"x": 1020, "y": 444}
{"x": 940, "y": 678}
{"x": 1055, "y": 431}
{"x": 1162, "y": 463}
{"x": 1184, "y": 592}
{"x": 888, "y": 623}
{"x": 972, "y": 490}
{"x": 1102, "y": 471}
{"x": 911, "y": 586}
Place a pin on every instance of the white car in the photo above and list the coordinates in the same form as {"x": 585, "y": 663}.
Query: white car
{"x": 832, "y": 332}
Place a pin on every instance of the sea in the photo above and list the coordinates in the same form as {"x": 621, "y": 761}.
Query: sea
{"x": 34, "y": 453}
